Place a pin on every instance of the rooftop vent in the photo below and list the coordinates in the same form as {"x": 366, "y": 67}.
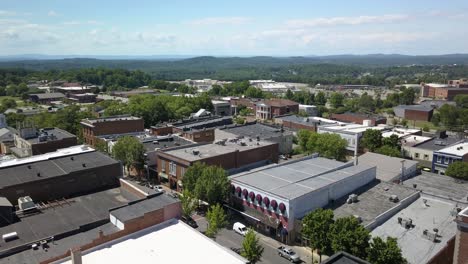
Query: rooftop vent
{"x": 431, "y": 235}
{"x": 195, "y": 151}
{"x": 405, "y": 222}
{"x": 72, "y": 158}
{"x": 26, "y": 203}
{"x": 394, "y": 198}
{"x": 10, "y": 236}
{"x": 29, "y": 166}
{"x": 353, "y": 198}
{"x": 84, "y": 165}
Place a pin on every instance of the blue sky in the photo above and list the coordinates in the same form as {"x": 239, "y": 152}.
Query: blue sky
{"x": 255, "y": 27}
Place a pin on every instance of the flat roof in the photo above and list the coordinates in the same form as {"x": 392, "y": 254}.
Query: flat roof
{"x": 254, "y": 130}
{"x": 212, "y": 150}
{"x": 162, "y": 243}
{"x": 74, "y": 150}
{"x": 68, "y": 215}
{"x": 437, "y": 143}
{"x": 343, "y": 258}
{"x": 388, "y": 168}
{"x": 412, "y": 140}
{"x": 440, "y": 185}
{"x": 142, "y": 207}
{"x": 459, "y": 149}
{"x": 48, "y": 95}
{"x": 53, "y": 133}
{"x": 373, "y": 200}
{"x": 90, "y": 121}
{"x": 292, "y": 180}
{"x": 349, "y": 128}
{"x": 423, "y": 108}
{"x": 15, "y": 175}
{"x": 166, "y": 142}
{"x": 203, "y": 122}
{"x": 414, "y": 246}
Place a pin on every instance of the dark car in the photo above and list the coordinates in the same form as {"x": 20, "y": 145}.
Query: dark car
{"x": 189, "y": 221}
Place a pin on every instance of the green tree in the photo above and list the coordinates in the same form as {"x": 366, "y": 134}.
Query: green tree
{"x": 366, "y": 103}
{"x": 407, "y": 96}
{"x": 392, "y": 141}
{"x": 192, "y": 175}
{"x": 371, "y": 139}
{"x": 336, "y": 99}
{"x": 348, "y": 235}
{"x": 461, "y": 100}
{"x": 303, "y": 136}
{"x": 289, "y": 94}
{"x": 435, "y": 119}
{"x": 385, "y": 252}
{"x": 426, "y": 128}
{"x": 130, "y": 151}
{"x": 458, "y": 169}
{"x": 216, "y": 220}
{"x": 448, "y": 116}
{"x": 253, "y": 92}
{"x": 188, "y": 203}
{"x": 330, "y": 146}
{"x": 213, "y": 185}
{"x": 389, "y": 151}
{"x": 8, "y": 103}
{"x": 252, "y": 250}
{"x": 316, "y": 227}
{"x": 320, "y": 98}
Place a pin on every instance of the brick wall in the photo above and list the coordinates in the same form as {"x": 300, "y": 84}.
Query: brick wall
{"x": 293, "y": 125}
{"x": 418, "y": 115}
{"x": 445, "y": 255}
{"x": 162, "y": 131}
{"x": 50, "y": 146}
{"x": 358, "y": 119}
{"x": 461, "y": 241}
{"x": 111, "y": 127}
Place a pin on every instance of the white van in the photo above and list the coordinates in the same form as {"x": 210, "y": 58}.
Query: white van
{"x": 239, "y": 228}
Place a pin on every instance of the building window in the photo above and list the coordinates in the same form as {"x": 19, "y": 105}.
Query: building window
{"x": 182, "y": 171}
{"x": 163, "y": 165}
{"x": 416, "y": 155}
{"x": 172, "y": 168}
{"x": 426, "y": 157}
{"x": 439, "y": 159}
{"x": 446, "y": 160}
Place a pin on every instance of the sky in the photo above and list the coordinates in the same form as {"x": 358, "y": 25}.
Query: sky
{"x": 233, "y": 28}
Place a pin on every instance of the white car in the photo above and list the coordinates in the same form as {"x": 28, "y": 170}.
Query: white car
{"x": 239, "y": 228}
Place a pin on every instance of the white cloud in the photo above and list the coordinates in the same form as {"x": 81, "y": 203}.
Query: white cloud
{"x": 207, "y": 21}
{"x": 7, "y": 13}
{"x": 336, "y": 21}
{"x": 52, "y": 13}
{"x": 76, "y": 23}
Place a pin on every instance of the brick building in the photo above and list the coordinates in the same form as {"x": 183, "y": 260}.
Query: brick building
{"x": 230, "y": 155}
{"x": 444, "y": 91}
{"x": 461, "y": 83}
{"x": 414, "y": 112}
{"x": 358, "y": 118}
{"x": 268, "y": 109}
{"x": 46, "y": 98}
{"x": 461, "y": 238}
{"x": 110, "y": 125}
{"x": 295, "y": 123}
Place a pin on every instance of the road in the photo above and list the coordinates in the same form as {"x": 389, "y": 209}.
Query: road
{"x": 229, "y": 239}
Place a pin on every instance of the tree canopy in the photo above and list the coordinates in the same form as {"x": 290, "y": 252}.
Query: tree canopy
{"x": 385, "y": 252}
{"x": 130, "y": 151}
{"x": 458, "y": 169}
{"x": 216, "y": 220}
{"x": 327, "y": 145}
{"x": 316, "y": 226}
{"x": 350, "y": 236}
{"x": 252, "y": 250}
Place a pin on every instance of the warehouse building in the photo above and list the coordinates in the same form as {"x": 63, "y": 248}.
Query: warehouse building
{"x": 390, "y": 169}
{"x": 273, "y": 198}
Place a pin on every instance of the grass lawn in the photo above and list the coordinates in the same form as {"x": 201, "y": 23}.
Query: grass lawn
{"x": 421, "y": 124}
{"x": 19, "y": 101}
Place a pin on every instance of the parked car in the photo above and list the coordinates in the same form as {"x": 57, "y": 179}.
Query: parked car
{"x": 288, "y": 254}
{"x": 189, "y": 221}
{"x": 239, "y": 228}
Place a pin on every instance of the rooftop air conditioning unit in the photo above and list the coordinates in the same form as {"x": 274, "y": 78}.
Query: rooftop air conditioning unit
{"x": 405, "y": 222}
{"x": 431, "y": 235}
{"x": 353, "y": 198}
{"x": 26, "y": 203}
{"x": 394, "y": 198}
{"x": 195, "y": 152}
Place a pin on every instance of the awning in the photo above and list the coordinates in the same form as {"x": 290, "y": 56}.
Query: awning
{"x": 242, "y": 213}
{"x": 164, "y": 175}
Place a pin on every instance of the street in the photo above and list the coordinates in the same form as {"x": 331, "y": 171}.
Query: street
{"x": 231, "y": 240}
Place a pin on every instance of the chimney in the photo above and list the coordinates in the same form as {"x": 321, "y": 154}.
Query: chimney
{"x": 402, "y": 171}
{"x": 75, "y": 255}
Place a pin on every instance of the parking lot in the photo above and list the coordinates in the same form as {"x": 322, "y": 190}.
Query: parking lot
{"x": 229, "y": 239}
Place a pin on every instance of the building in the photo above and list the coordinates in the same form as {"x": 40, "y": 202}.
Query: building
{"x": 436, "y": 103}
{"x": 57, "y": 175}
{"x": 422, "y": 229}
{"x": 444, "y": 91}
{"x": 295, "y": 123}
{"x": 110, "y": 125}
{"x": 357, "y": 118}
{"x": 461, "y": 83}
{"x": 83, "y": 98}
{"x": 351, "y": 132}
{"x": 273, "y": 198}
{"x": 196, "y": 129}
{"x": 402, "y": 132}
{"x": 444, "y": 157}
{"x": 157, "y": 242}
{"x": 461, "y": 239}
{"x": 310, "y": 110}
{"x": 389, "y": 169}
{"x": 422, "y": 149}
{"x": 69, "y": 90}
{"x": 6, "y": 212}
{"x": 46, "y": 98}
{"x": 269, "y": 109}
{"x": 343, "y": 258}
{"x": 238, "y": 103}
{"x": 221, "y": 108}
{"x": 30, "y": 141}
{"x": 258, "y": 131}
{"x": 414, "y": 112}
{"x": 232, "y": 155}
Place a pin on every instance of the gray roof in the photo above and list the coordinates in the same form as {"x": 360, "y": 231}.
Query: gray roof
{"x": 388, "y": 168}
{"x": 300, "y": 120}
{"x": 344, "y": 258}
{"x": 436, "y": 103}
{"x": 255, "y": 129}
{"x": 414, "y": 246}
{"x": 211, "y": 150}
{"x": 373, "y": 200}
{"x": 424, "y": 108}
{"x": 57, "y": 167}
{"x": 48, "y": 95}
{"x": 437, "y": 143}
{"x": 292, "y": 180}
{"x": 203, "y": 122}
{"x": 91, "y": 121}
{"x": 169, "y": 142}
{"x": 69, "y": 216}
{"x": 142, "y": 207}
{"x": 57, "y": 133}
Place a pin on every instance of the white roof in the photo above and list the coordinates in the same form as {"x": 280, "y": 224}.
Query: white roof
{"x": 413, "y": 140}
{"x": 169, "y": 242}
{"x": 59, "y": 153}
{"x": 439, "y": 85}
{"x": 460, "y": 149}
{"x": 73, "y": 88}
